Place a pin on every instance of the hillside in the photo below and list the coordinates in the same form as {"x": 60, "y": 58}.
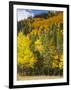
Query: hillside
{"x": 37, "y": 22}
{"x": 40, "y": 45}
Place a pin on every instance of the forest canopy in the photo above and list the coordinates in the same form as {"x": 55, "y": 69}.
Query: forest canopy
{"x": 40, "y": 44}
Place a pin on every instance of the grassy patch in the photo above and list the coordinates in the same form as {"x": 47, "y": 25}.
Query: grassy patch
{"x": 37, "y": 77}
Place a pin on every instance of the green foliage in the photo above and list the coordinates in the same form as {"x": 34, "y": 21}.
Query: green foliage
{"x": 40, "y": 45}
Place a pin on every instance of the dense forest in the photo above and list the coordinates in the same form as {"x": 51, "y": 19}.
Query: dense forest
{"x": 40, "y": 45}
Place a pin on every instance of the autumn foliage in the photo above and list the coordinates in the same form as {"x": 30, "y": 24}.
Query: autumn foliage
{"x": 40, "y": 45}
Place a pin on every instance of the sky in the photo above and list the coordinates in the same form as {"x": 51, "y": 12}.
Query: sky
{"x": 25, "y": 13}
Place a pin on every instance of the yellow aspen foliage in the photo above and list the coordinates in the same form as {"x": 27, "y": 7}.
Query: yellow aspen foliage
{"x": 56, "y": 57}
{"x": 55, "y": 19}
{"x": 25, "y": 55}
{"x": 61, "y": 62}
{"x": 22, "y": 40}
{"x": 58, "y": 61}
{"x": 35, "y": 32}
{"x": 38, "y": 45}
